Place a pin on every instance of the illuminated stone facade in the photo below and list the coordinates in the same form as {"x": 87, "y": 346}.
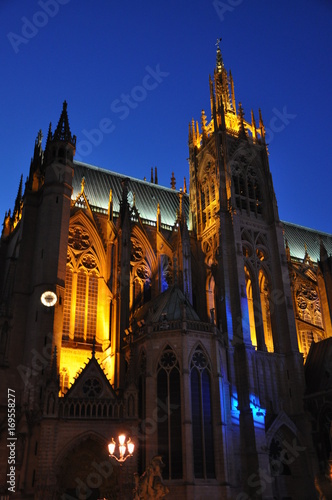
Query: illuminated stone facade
{"x": 174, "y": 321}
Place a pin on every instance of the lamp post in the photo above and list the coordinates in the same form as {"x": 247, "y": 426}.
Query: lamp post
{"x": 126, "y": 450}
{"x": 123, "y": 448}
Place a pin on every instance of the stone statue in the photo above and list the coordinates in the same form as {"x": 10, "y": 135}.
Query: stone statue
{"x": 150, "y": 485}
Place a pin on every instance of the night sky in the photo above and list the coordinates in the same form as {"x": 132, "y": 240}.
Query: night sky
{"x": 134, "y": 74}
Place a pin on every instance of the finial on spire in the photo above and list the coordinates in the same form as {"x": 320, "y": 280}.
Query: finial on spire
{"x": 173, "y": 181}
{"x": 93, "y": 352}
{"x": 253, "y": 125}
{"x": 110, "y": 205}
{"x": 261, "y": 124}
{"x": 82, "y": 184}
{"x": 242, "y": 130}
{"x": 158, "y": 217}
{"x": 220, "y": 63}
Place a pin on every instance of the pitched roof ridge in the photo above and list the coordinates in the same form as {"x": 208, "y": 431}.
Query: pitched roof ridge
{"x": 112, "y": 172}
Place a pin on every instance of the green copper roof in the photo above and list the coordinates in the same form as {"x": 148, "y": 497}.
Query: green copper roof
{"x": 99, "y": 181}
{"x": 299, "y": 236}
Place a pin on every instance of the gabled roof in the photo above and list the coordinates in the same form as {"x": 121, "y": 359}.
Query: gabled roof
{"x": 299, "y": 236}
{"x": 99, "y": 181}
{"x": 91, "y": 383}
{"x": 318, "y": 367}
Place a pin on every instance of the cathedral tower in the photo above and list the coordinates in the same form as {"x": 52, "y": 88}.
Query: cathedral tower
{"x": 245, "y": 276}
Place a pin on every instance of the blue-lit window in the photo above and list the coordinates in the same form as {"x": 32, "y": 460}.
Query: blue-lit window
{"x": 201, "y": 408}
{"x": 166, "y": 272}
{"x": 169, "y": 414}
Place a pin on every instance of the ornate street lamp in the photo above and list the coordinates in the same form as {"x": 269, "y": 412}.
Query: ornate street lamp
{"x": 126, "y": 449}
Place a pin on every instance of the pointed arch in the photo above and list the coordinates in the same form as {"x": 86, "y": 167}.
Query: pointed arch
{"x": 96, "y": 246}
{"x": 144, "y": 268}
{"x": 264, "y": 291}
{"x": 169, "y": 413}
{"x": 250, "y": 301}
{"x": 201, "y": 412}
{"x": 86, "y": 311}
{"x": 288, "y": 460}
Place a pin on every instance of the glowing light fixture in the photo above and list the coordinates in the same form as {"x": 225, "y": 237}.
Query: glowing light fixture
{"x": 123, "y": 448}
{"x": 48, "y": 298}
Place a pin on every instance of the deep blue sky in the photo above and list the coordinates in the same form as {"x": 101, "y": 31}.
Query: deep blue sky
{"x": 92, "y": 53}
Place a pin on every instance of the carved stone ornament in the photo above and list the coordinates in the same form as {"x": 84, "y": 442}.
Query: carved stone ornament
{"x": 78, "y": 238}
{"x": 89, "y": 262}
{"x": 142, "y": 272}
{"x": 150, "y": 485}
{"x": 137, "y": 253}
{"x": 92, "y": 388}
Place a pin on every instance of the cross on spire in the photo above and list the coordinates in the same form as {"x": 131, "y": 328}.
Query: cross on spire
{"x": 218, "y": 42}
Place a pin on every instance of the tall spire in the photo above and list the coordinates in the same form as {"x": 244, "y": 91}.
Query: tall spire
{"x": 62, "y": 132}
{"x": 36, "y": 165}
{"x": 220, "y": 63}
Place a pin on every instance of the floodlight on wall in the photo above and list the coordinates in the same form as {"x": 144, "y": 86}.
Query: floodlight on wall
{"x": 48, "y": 298}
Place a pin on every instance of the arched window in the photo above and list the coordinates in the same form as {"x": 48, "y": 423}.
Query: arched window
{"x": 251, "y": 310}
{"x": 201, "y": 410}
{"x": 80, "y": 305}
{"x": 266, "y": 312}
{"x": 247, "y": 189}
{"x": 64, "y": 381}
{"x": 141, "y": 288}
{"x": 67, "y": 302}
{"x": 169, "y": 414}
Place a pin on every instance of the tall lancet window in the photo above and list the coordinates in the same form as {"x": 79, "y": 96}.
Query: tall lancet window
{"x": 266, "y": 312}
{"x": 81, "y": 302}
{"x": 169, "y": 414}
{"x": 201, "y": 409}
{"x": 251, "y": 309}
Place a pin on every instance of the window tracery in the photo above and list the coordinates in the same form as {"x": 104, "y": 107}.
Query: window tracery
{"x": 81, "y": 287}
{"x": 169, "y": 414}
{"x": 247, "y": 190}
{"x": 208, "y": 198}
{"x": 201, "y": 409}
{"x": 308, "y": 304}
{"x": 256, "y": 266}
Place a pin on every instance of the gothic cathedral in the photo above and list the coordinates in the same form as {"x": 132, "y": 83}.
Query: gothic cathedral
{"x": 181, "y": 319}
